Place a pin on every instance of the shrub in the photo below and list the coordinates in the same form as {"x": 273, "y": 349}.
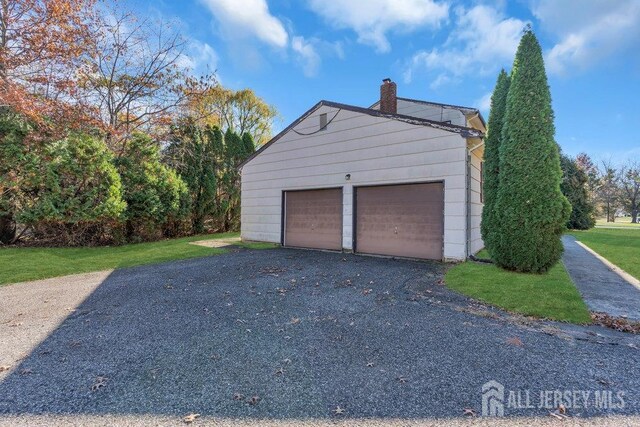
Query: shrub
{"x": 491, "y": 167}
{"x": 532, "y": 211}
{"x": 79, "y": 197}
{"x": 574, "y": 187}
{"x": 156, "y": 196}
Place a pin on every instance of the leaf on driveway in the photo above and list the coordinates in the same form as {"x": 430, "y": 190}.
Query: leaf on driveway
{"x": 515, "y": 341}
{"x": 295, "y": 321}
{"x": 280, "y": 371}
{"x": 339, "y": 410}
{"x": 99, "y": 383}
{"x": 238, "y": 396}
{"x": 253, "y": 400}
{"x": 470, "y": 412}
{"x": 26, "y": 371}
{"x": 5, "y": 368}
{"x": 366, "y": 291}
{"x": 188, "y": 419}
{"x": 402, "y": 380}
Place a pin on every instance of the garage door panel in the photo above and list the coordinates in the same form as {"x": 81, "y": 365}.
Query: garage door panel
{"x": 313, "y": 219}
{"x": 401, "y": 220}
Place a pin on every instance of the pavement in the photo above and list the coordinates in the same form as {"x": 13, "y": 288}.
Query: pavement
{"x": 602, "y": 289}
{"x": 295, "y": 337}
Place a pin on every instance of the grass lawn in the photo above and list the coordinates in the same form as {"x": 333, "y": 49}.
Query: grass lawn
{"x": 552, "y": 295}
{"x": 23, "y": 264}
{"x": 621, "y": 247}
{"x": 622, "y": 222}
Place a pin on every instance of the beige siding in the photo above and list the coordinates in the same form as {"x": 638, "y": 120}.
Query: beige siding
{"x": 476, "y": 205}
{"x": 373, "y": 150}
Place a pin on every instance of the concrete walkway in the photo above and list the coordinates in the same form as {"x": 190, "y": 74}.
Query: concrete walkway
{"x": 602, "y": 289}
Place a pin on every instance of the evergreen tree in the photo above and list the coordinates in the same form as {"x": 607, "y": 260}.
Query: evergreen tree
{"x": 531, "y": 210}
{"x": 491, "y": 167}
{"x": 575, "y": 187}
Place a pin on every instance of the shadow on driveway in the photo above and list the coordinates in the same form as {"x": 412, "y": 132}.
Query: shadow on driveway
{"x": 303, "y": 332}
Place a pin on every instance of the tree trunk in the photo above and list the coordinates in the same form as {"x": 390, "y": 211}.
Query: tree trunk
{"x": 7, "y": 228}
{"x": 634, "y": 216}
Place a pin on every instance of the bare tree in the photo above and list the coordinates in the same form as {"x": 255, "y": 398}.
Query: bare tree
{"x": 134, "y": 74}
{"x": 630, "y": 188}
{"x": 608, "y": 190}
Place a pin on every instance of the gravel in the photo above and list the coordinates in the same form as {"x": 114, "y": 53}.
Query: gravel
{"x": 301, "y": 331}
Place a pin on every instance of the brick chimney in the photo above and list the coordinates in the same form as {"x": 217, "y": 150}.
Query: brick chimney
{"x": 388, "y": 100}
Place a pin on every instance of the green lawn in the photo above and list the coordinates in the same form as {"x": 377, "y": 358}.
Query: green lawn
{"x": 622, "y": 222}
{"x": 22, "y": 264}
{"x": 621, "y": 247}
{"x": 551, "y": 296}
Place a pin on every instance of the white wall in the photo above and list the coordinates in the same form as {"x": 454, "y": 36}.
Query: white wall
{"x": 373, "y": 150}
{"x": 476, "y": 204}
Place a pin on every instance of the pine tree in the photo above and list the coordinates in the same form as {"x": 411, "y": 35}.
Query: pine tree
{"x": 531, "y": 209}
{"x": 491, "y": 165}
{"x": 575, "y": 187}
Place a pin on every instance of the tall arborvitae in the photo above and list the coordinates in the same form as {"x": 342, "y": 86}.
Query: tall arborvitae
{"x": 491, "y": 167}
{"x": 531, "y": 209}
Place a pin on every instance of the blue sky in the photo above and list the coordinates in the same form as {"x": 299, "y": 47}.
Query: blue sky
{"x": 294, "y": 53}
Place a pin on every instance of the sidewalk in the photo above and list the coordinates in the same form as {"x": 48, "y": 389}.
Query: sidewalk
{"x": 602, "y": 289}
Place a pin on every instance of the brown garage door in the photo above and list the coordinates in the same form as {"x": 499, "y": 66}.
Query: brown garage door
{"x": 401, "y": 220}
{"x": 313, "y": 219}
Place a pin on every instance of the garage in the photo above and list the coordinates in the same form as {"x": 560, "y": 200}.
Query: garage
{"x": 313, "y": 219}
{"x": 400, "y": 220}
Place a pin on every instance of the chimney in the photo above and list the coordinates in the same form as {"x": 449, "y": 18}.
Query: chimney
{"x": 388, "y": 101}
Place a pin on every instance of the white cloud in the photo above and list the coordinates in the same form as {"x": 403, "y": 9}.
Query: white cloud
{"x": 199, "y": 56}
{"x": 372, "y": 19}
{"x": 307, "y": 55}
{"x": 484, "y": 102}
{"x": 309, "y": 52}
{"x": 481, "y": 42}
{"x": 248, "y": 18}
{"x": 588, "y": 31}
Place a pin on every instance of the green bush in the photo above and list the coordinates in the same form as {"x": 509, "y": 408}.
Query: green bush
{"x": 574, "y": 187}
{"x": 79, "y": 196}
{"x": 491, "y": 167}
{"x": 156, "y": 196}
{"x": 532, "y": 211}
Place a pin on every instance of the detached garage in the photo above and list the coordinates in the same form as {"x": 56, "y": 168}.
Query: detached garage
{"x": 400, "y": 178}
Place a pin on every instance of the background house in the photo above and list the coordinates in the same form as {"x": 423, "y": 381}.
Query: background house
{"x": 401, "y": 178}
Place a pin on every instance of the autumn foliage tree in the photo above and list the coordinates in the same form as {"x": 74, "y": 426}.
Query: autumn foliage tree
{"x": 42, "y": 45}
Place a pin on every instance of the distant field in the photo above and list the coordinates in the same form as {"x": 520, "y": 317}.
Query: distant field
{"x": 619, "y": 222}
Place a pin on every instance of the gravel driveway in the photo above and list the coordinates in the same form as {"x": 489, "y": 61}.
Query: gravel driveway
{"x": 288, "y": 335}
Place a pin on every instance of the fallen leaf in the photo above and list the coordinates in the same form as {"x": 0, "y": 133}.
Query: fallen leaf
{"x": 366, "y": 291}
{"x": 515, "y": 341}
{"x": 279, "y": 371}
{"x": 339, "y": 410}
{"x": 295, "y": 321}
{"x": 26, "y": 371}
{"x": 401, "y": 380}
{"x": 254, "y": 400}
{"x": 238, "y": 396}
{"x": 99, "y": 383}
{"x": 562, "y": 409}
{"x": 370, "y": 364}
{"x": 5, "y": 368}
{"x": 190, "y": 418}
{"x": 470, "y": 412}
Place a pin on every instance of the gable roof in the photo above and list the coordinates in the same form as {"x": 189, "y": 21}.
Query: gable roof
{"x": 464, "y": 131}
{"x": 464, "y": 110}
